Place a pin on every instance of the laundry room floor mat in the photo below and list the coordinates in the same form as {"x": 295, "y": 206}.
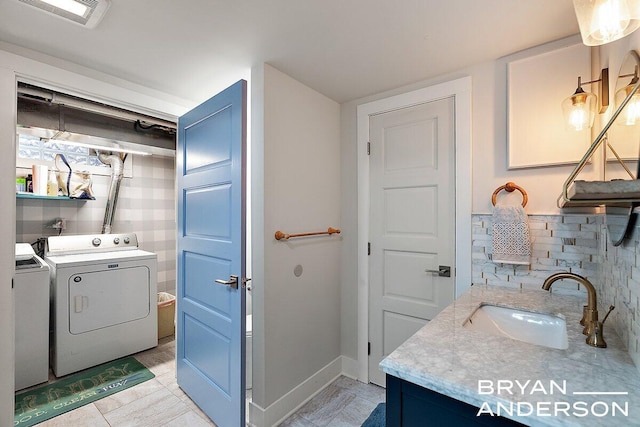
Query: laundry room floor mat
{"x": 50, "y": 400}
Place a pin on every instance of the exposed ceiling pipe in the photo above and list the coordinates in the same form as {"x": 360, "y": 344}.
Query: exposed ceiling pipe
{"x": 117, "y": 168}
{"x": 82, "y": 104}
{"x": 41, "y": 113}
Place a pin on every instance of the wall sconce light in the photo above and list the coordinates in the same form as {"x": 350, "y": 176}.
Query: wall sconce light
{"x": 630, "y": 115}
{"x": 580, "y": 108}
{"x": 604, "y": 21}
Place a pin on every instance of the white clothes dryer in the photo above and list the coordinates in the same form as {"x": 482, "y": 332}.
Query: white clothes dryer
{"x": 104, "y": 293}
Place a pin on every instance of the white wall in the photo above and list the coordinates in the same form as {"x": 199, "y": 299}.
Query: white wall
{"x": 489, "y": 170}
{"x": 296, "y": 189}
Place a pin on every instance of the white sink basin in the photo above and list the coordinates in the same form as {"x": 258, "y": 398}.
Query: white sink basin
{"x": 535, "y": 328}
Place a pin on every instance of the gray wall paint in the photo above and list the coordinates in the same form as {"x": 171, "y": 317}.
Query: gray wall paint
{"x": 299, "y": 316}
{"x": 146, "y": 206}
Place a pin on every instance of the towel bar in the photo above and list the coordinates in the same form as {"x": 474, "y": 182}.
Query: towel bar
{"x": 510, "y": 187}
{"x": 284, "y": 236}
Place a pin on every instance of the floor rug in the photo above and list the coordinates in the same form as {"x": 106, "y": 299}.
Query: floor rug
{"x": 377, "y": 417}
{"x": 52, "y": 399}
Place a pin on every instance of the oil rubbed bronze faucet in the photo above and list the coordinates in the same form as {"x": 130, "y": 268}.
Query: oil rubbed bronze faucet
{"x": 592, "y": 328}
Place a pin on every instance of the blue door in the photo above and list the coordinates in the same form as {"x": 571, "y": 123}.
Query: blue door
{"x": 210, "y": 168}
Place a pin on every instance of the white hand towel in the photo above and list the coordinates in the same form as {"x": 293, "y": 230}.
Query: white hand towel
{"x": 511, "y": 237}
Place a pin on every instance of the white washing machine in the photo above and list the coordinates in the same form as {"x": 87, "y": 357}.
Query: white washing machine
{"x": 104, "y": 299}
{"x": 31, "y": 306}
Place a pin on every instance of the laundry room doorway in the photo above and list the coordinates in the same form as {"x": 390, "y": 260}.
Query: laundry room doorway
{"x": 82, "y": 217}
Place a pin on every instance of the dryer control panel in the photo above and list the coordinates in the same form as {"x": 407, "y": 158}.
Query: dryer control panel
{"x": 80, "y": 244}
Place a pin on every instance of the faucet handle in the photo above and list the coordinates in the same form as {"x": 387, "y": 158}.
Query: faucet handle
{"x": 583, "y": 321}
{"x": 611, "y": 307}
{"x": 596, "y": 338}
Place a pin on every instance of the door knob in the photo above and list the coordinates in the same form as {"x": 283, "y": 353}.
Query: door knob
{"x": 232, "y": 282}
{"x": 443, "y": 271}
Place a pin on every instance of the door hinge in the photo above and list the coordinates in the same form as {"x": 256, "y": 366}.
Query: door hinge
{"x": 368, "y": 148}
{"x": 368, "y": 248}
{"x": 369, "y": 348}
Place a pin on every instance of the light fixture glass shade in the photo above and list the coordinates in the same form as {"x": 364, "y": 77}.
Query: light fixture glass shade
{"x": 579, "y": 110}
{"x": 630, "y": 115}
{"x": 603, "y": 21}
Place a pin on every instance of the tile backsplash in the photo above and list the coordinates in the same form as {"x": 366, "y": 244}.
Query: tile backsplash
{"x": 578, "y": 244}
{"x": 145, "y": 206}
{"x": 558, "y": 243}
{"x": 620, "y": 277}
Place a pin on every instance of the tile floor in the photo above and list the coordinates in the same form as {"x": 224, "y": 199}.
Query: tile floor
{"x": 344, "y": 403}
{"x": 159, "y": 402}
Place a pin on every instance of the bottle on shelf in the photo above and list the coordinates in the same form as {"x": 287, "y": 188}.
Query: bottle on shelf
{"x": 52, "y": 184}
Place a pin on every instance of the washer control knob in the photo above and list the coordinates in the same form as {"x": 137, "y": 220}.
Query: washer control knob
{"x": 127, "y": 240}
{"x": 116, "y": 240}
{"x": 96, "y": 242}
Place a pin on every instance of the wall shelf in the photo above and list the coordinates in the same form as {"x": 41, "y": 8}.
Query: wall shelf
{"x": 23, "y": 195}
{"x": 597, "y": 193}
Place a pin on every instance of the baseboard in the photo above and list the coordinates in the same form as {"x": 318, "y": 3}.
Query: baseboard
{"x": 349, "y": 367}
{"x": 282, "y": 408}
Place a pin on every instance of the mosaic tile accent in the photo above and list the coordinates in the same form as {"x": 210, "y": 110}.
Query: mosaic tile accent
{"x": 620, "y": 286}
{"x": 558, "y": 243}
{"x": 146, "y": 206}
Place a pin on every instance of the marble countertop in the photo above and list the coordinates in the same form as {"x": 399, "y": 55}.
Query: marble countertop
{"x": 447, "y": 358}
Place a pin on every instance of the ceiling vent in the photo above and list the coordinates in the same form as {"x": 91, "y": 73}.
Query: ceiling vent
{"x": 87, "y": 13}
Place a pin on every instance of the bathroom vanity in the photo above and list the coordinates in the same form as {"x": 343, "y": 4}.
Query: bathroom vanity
{"x": 449, "y": 373}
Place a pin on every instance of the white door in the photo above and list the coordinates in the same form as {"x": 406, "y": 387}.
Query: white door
{"x": 412, "y": 224}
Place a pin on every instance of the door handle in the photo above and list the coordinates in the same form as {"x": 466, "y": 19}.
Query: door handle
{"x": 443, "y": 271}
{"x": 232, "y": 282}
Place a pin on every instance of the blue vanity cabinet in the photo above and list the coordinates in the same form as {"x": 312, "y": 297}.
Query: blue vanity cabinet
{"x": 410, "y": 405}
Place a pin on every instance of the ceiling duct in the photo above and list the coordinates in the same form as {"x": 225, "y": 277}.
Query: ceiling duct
{"x": 117, "y": 167}
{"x": 50, "y": 115}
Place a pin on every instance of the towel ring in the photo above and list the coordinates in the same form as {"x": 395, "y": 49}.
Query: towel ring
{"x": 510, "y": 187}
